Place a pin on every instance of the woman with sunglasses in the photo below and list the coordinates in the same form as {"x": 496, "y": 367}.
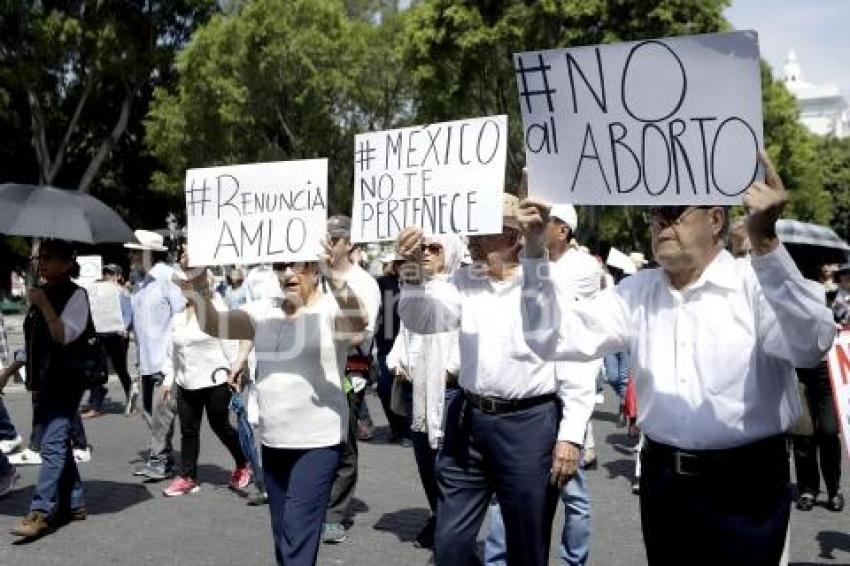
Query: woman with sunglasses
{"x": 429, "y": 362}
{"x": 303, "y": 413}
{"x": 196, "y": 370}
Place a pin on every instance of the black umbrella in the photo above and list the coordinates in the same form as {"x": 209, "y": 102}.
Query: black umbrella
{"x": 48, "y": 212}
{"x": 811, "y": 245}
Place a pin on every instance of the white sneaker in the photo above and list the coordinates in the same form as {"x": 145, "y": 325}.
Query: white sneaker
{"x": 9, "y": 446}
{"x": 82, "y": 455}
{"x": 26, "y": 457}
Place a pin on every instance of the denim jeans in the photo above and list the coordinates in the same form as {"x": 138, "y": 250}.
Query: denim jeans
{"x": 7, "y": 429}
{"x": 617, "y": 368}
{"x": 59, "y": 484}
{"x": 575, "y": 536}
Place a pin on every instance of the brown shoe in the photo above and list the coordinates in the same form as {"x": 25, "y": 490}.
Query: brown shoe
{"x": 32, "y": 526}
{"x": 91, "y": 414}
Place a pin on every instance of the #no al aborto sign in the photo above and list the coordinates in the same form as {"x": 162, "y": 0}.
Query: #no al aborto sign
{"x": 662, "y": 121}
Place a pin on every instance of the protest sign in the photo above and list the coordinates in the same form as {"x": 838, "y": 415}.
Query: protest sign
{"x": 671, "y": 121}
{"x": 839, "y": 374}
{"x": 443, "y": 178}
{"x": 105, "y": 305}
{"x": 91, "y": 269}
{"x": 257, "y": 213}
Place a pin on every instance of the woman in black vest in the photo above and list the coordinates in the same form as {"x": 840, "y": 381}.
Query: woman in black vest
{"x": 57, "y": 324}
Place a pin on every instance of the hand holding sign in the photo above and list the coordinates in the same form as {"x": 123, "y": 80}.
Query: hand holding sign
{"x": 409, "y": 246}
{"x": 764, "y": 203}
{"x": 533, "y": 215}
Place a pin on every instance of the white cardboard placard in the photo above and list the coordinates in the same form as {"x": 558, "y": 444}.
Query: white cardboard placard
{"x": 91, "y": 269}
{"x": 443, "y": 178}
{"x": 670, "y": 121}
{"x": 256, "y": 213}
{"x": 105, "y": 305}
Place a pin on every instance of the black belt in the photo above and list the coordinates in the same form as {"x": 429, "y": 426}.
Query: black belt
{"x": 768, "y": 456}
{"x": 497, "y": 406}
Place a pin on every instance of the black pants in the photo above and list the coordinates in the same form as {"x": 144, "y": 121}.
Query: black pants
{"x": 345, "y": 480}
{"x": 508, "y": 455}
{"x": 733, "y": 514}
{"x": 116, "y": 347}
{"x": 824, "y": 441}
{"x": 190, "y": 407}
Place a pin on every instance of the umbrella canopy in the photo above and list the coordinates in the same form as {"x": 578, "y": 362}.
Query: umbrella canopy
{"x": 48, "y": 212}
{"x": 812, "y": 244}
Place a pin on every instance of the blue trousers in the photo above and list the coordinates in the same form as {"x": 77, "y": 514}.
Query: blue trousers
{"x": 298, "y": 483}
{"x": 617, "y": 368}
{"x": 575, "y": 537}
{"x": 59, "y": 484}
{"x": 508, "y": 455}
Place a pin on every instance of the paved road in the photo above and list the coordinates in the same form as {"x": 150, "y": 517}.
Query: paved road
{"x": 131, "y": 523}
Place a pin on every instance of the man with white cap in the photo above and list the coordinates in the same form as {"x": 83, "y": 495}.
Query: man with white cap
{"x": 155, "y": 299}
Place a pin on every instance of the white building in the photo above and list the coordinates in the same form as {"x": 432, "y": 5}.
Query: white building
{"x": 823, "y": 109}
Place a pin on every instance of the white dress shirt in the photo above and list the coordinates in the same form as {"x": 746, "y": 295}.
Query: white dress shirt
{"x": 577, "y": 277}
{"x": 155, "y": 300}
{"x": 366, "y": 289}
{"x": 495, "y": 361}
{"x": 713, "y": 363}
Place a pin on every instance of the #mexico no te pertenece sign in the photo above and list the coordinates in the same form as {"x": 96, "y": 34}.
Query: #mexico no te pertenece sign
{"x": 257, "y": 213}
{"x": 443, "y": 178}
{"x": 656, "y": 122}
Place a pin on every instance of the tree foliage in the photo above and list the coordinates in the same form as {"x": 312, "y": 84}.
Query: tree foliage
{"x": 278, "y": 80}
{"x": 80, "y": 71}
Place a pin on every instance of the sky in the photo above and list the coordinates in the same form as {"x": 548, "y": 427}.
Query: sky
{"x": 817, "y": 30}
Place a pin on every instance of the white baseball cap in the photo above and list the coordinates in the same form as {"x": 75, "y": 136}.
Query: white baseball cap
{"x": 566, "y": 213}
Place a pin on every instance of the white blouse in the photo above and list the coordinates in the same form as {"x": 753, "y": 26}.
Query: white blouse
{"x": 300, "y": 366}
{"x": 195, "y": 360}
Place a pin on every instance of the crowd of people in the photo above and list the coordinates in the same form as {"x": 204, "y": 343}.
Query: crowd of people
{"x": 487, "y": 353}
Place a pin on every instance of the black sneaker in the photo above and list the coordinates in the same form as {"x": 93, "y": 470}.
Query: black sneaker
{"x": 425, "y": 539}
{"x": 835, "y": 503}
{"x": 806, "y": 502}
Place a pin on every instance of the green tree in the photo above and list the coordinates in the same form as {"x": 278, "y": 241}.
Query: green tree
{"x": 794, "y": 152}
{"x": 460, "y": 60}
{"x": 279, "y": 80}
{"x": 834, "y": 158}
{"x": 80, "y": 71}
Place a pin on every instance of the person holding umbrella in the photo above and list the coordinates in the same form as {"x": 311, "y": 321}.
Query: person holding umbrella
{"x": 57, "y": 328}
{"x": 196, "y": 370}
{"x": 301, "y": 350}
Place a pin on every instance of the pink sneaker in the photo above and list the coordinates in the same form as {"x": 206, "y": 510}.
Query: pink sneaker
{"x": 240, "y": 478}
{"x": 181, "y": 486}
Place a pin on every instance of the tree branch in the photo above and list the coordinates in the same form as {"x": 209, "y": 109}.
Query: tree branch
{"x": 39, "y": 137}
{"x": 109, "y": 142}
{"x": 72, "y": 126}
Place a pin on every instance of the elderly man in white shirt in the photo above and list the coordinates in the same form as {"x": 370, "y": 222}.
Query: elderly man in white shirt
{"x": 155, "y": 300}
{"x": 503, "y": 431}
{"x": 714, "y": 345}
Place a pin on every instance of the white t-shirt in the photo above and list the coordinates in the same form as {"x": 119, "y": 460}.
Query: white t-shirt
{"x": 299, "y": 376}
{"x": 366, "y": 289}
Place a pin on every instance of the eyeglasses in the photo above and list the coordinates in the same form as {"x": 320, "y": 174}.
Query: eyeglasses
{"x": 432, "y": 248}
{"x": 296, "y": 266}
{"x": 660, "y": 217}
